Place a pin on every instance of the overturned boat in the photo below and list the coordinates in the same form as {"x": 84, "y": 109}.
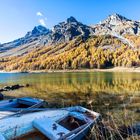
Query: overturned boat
{"x": 19, "y": 105}
{"x": 70, "y": 123}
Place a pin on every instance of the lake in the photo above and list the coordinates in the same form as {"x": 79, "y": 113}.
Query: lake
{"x": 112, "y": 93}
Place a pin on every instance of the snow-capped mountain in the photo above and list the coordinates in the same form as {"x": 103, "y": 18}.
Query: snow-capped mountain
{"x": 40, "y": 36}
{"x": 117, "y": 24}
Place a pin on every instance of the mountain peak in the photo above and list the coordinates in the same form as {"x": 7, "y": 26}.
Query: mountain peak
{"x": 40, "y": 27}
{"x": 115, "y": 19}
{"x": 69, "y": 29}
{"x": 67, "y": 23}
{"x": 38, "y": 30}
{"x": 118, "y": 17}
{"x": 71, "y": 19}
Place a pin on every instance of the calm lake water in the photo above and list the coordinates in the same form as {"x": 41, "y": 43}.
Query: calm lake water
{"x": 104, "y": 92}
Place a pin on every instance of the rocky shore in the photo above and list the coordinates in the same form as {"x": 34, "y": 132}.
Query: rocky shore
{"x": 115, "y": 69}
{"x": 9, "y": 88}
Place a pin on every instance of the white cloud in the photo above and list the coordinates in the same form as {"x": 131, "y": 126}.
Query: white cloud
{"x": 39, "y": 14}
{"x": 42, "y": 19}
{"x": 42, "y": 22}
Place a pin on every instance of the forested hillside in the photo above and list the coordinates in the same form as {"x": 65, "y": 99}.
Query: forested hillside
{"x": 95, "y": 52}
{"x": 73, "y": 45}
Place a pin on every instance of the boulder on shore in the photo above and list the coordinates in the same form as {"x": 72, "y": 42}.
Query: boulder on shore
{"x": 13, "y": 87}
{"x": 1, "y": 90}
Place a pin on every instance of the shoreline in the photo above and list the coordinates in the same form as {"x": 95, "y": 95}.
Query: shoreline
{"x": 115, "y": 69}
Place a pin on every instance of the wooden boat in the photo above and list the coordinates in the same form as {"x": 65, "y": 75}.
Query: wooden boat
{"x": 71, "y": 123}
{"x": 7, "y": 107}
{"x": 20, "y": 103}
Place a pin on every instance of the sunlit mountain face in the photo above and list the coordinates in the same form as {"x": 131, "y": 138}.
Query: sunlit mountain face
{"x": 74, "y": 45}
{"x": 115, "y": 25}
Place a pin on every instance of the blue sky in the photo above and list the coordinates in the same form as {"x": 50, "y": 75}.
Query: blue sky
{"x": 19, "y": 16}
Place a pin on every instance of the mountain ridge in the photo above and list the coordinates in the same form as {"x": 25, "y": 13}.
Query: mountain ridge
{"x": 115, "y": 25}
{"x": 118, "y": 24}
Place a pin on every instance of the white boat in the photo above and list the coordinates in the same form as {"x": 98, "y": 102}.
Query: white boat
{"x": 20, "y": 104}
{"x": 71, "y": 123}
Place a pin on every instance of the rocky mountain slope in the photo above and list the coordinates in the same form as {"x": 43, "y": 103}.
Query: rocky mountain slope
{"x": 115, "y": 25}
{"x": 96, "y": 52}
{"x": 40, "y": 36}
{"x": 26, "y": 43}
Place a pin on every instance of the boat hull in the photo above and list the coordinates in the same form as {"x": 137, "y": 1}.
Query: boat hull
{"x": 17, "y": 126}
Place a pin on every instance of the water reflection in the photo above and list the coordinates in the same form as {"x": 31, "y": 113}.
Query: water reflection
{"x": 100, "y": 91}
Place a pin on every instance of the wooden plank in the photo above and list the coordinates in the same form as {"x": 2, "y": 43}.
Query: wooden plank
{"x": 50, "y": 128}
